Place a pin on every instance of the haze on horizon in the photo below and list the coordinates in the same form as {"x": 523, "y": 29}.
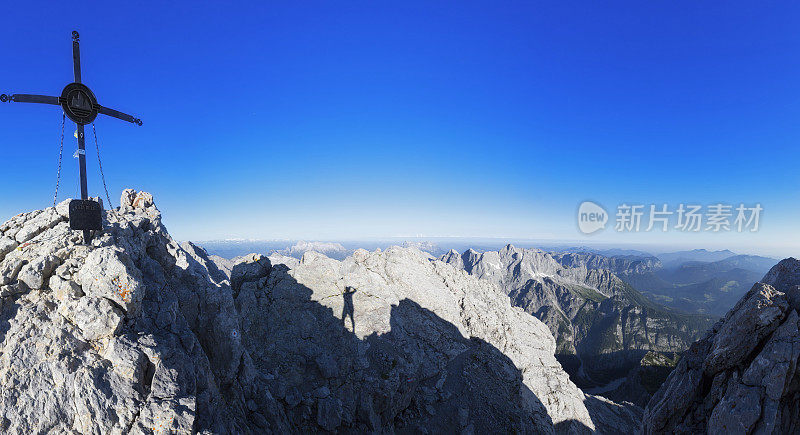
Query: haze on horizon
{"x": 324, "y": 122}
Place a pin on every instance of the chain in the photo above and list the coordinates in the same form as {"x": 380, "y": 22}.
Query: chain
{"x": 60, "y": 153}
{"x": 99, "y": 162}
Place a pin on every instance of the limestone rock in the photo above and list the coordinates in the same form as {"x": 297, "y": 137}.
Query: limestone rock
{"x": 136, "y": 333}
{"x": 96, "y": 317}
{"x": 36, "y": 273}
{"x": 10, "y": 268}
{"x": 129, "y": 334}
{"x": 248, "y": 269}
{"x": 62, "y": 208}
{"x": 743, "y": 376}
{"x": 109, "y": 272}
{"x": 64, "y": 290}
{"x": 7, "y": 245}
{"x": 418, "y": 339}
{"x": 754, "y": 318}
{"x": 44, "y": 220}
{"x": 785, "y": 277}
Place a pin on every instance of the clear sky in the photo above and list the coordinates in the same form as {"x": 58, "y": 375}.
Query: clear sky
{"x": 346, "y": 120}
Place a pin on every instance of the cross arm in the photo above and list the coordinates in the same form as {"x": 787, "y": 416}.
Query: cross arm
{"x": 30, "y": 98}
{"x": 117, "y": 114}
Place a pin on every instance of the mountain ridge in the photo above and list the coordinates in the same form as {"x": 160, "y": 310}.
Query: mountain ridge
{"x": 742, "y": 376}
{"x": 603, "y": 326}
{"x": 136, "y": 332}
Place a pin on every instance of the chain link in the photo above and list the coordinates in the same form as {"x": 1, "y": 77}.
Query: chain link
{"x": 60, "y": 154}
{"x": 100, "y": 163}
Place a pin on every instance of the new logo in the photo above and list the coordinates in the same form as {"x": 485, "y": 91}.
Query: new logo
{"x": 591, "y": 217}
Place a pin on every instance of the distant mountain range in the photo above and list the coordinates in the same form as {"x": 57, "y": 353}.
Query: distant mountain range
{"x": 330, "y": 249}
{"x": 231, "y": 249}
{"x": 613, "y": 252}
{"x": 603, "y": 327}
{"x": 696, "y": 281}
{"x": 700, "y": 286}
{"x": 672, "y": 259}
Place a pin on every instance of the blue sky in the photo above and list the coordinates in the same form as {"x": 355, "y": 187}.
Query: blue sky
{"x": 346, "y": 120}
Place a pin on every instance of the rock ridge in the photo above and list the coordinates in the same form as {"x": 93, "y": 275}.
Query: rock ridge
{"x": 139, "y": 333}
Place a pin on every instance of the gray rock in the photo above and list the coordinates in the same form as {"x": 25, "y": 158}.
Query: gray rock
{"x": 79, "y": 363}
{"x": 463, "y": 416}
{"x": 611, "y": 417}
{"x": 138, "y": 333}
{"x": 260, "y": 421}
{"x": 37, "y": 273}
{"x": 7, "y": 245}
{"x": 96, "y": 317}
{"x": 293, "y": 397}
{"x": 367, "y": 414}
{"x": 248, "y": 269}
{"x": 62, "y": 208}
{"x": 64, "y": 290}
{"x": 322, "y": 392}
{"x": 785, "y": 277}
{"x": 128, "y": 359}
{"x": 10, "y": 267}
{"x": 738, "y": 411}
{"x": 411, "y": 316}
{"x": 45, "y": 220}
{"x": 743, "y": 376}
{"x": 754, "y": 318}
{"x": 602, "y": 326}
{"x": 68, "y": 269}
{"x": 109, "y": 272}
{"x": 12, "y": 289}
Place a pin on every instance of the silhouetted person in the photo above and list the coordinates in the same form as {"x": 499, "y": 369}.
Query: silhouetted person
{"x": 348, "y": 308}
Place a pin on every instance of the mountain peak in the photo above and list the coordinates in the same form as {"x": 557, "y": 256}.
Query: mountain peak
{"x": 785, "y": 277}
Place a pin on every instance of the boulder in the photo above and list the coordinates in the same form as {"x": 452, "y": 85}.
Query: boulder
{"x": 45, "y": 220}
{"x": 7, "y": 245}
{"x": 37, "y": 273}
{"x": 109, "y": 272}
{"x": 96, "y": 317}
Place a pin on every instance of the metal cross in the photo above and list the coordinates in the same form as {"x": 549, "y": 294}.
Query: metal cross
{"x": 79, "y": 105}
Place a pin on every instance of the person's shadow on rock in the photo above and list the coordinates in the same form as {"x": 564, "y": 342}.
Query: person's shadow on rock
{"x": 348, "y": 309}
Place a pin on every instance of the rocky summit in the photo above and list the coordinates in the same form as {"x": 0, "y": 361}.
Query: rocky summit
{"x": 743, "y": 376}
{"x": 138, "y": 333}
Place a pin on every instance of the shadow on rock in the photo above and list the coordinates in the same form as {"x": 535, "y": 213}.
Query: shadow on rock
{"x": 421, "y": 375}
{"x": 348, "y": 310}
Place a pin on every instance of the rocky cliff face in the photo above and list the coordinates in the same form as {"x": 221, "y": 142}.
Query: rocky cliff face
{"x": 603, "y": 326}
{"x": 137, "y": 333}
{"x": 643, "y": 381}
{"x": 743, "y": 376}
{"x": 132, "y": 333}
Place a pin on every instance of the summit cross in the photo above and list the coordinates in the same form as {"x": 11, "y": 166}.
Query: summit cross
{"x": 80, "y": 106}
